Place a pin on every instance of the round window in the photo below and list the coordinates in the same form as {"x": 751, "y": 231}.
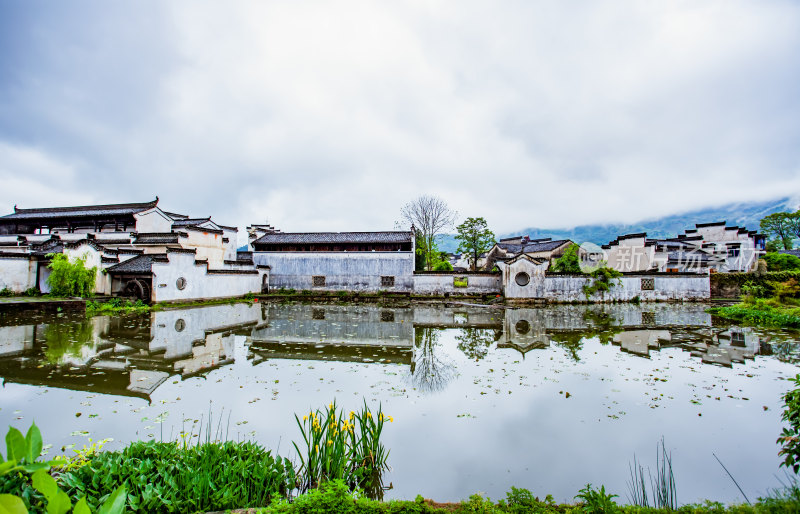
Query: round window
{"x": 522, "y": 279}
{"x": 180, "y": 325}
{"x": 522, "y": 327}
{"x": 180, "y": 283}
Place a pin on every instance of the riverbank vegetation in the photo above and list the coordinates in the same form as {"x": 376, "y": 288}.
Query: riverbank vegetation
{"x": 342, "y": 460}
{"x": 771, "y": 299}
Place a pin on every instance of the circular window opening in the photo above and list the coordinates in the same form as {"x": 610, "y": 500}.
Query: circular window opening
{"x": 522, "y": 279}
{"x": 180, "y": 325}
{"x": 181, "y": 283}
{"x": 522, "y": 327}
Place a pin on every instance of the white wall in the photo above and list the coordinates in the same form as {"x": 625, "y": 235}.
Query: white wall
{"x": 207, "y": 245}
{"x": 343, "y": 271}
{"x": 153, "y": 220}
{"x": 102, "y": 283}
{"x": 201, "y": 283}
{"x": 439, "y": 284}
{"x": 17, "y": 273}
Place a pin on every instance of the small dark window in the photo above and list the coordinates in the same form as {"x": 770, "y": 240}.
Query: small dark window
{"x": 522, "y": 327}
{"x": 387, "y": 281}
{"x": 648, "y": 318}
{"x": 180, "y": 325}
{"x": 387, "y": 316}
{"x": 737, "y": 339}
{"x": 648, "y": 284}
{"x": 522, "y": 279}
{"x": 317, "y": 314}
{"x": 318, "y": 281}
{"x": 181, "y": 283}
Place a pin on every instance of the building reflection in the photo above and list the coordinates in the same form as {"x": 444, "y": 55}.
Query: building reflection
{"x": 134, "y": 355}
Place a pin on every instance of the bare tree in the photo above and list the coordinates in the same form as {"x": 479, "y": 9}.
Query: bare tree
{"x": 429, "y": 215}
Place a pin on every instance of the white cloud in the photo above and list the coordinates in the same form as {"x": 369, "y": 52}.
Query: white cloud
{"x": 331, "y": 116}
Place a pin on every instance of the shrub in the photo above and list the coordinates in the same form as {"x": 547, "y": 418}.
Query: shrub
{"x": 5, "y": 292}
{"x": 782, "y": 262}
{"x": 443, "y": 266}
{"x": 790, "y": 437}
{"x": 603, "y": 279}
{"x": 70, "y": 278}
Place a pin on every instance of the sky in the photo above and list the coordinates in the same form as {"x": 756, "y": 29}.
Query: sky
{"x": 333, "y": 115}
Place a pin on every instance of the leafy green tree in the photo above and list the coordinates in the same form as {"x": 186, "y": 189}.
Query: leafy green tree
{"x": 70, "y": 278}
{"x": 790, "y": 437}
{"x": 475, "y": 238}
{"x": 783, "y": 226}
{"x": 443, "y": 266}
{"x": 569, "y": 261}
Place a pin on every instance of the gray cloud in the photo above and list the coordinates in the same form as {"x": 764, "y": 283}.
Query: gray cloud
{"x": 321, "y": 116}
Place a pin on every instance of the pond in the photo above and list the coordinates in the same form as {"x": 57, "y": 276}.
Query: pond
{"x": 548, "y": 398}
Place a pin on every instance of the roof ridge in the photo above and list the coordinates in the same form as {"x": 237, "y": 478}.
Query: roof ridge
{"x": 145, "y": 205}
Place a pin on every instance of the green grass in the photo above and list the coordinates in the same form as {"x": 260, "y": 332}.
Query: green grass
{"x": 761, "y": 312}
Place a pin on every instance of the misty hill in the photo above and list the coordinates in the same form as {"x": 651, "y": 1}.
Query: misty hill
{"x": 747, "y": 214}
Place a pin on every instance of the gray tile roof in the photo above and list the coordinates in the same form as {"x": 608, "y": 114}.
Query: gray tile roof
{"x": 120, "y": 209}
{"x": 189, "y": 222}
{"x": 156, "y": 238}
{"x": 334, "y": 237}
{"x": 138, "y": 265}
{"x": 533, "y": 247}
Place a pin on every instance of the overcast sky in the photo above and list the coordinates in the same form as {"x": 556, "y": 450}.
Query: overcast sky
{"x": 332, "y": 115}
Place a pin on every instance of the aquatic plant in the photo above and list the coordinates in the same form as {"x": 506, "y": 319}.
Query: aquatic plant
{"x": 597, "y": 500}
{"x": 343, "y": 447}
{"x": 663, "y": 490}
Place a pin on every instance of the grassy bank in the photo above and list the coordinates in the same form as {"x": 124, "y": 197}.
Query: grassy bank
{"x": 123, "y": 306}
{"x": 760, "y": 312}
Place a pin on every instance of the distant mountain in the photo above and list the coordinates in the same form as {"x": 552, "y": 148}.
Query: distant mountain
{"x": 747, "y": 214}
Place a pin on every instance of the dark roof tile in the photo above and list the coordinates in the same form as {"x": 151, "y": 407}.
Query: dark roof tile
{"x": 334, "y": 237}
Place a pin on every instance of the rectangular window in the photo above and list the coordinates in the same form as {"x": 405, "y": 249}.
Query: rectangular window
{"x": 318, "y": 281}
{"x": 460, "y": 281}
{"x": 648, "y": 284}
{"x": 387, "y": 281}
{"x": 387, "y": 316}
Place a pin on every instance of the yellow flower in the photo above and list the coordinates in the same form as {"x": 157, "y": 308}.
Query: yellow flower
{"x": 331, "y": 406}
{"x": 391, "y": 419}
{"x": 317, "y": 448}
{"x": 369, "y": 414}
{"x": 305, "y": 418}
{"x": 381, "y": 416}
{"x": 352, "y": 415}
{"x": 330, "y": 442}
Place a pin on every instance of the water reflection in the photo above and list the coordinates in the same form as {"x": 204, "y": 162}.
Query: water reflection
{"x": 134, "y": 355}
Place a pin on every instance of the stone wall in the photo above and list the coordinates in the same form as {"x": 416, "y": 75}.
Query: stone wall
{"x": 342, "y": 271}
{"x": 456, "y": 283}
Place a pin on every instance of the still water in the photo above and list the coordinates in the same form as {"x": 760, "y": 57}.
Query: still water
{"x": 546, "y": 398}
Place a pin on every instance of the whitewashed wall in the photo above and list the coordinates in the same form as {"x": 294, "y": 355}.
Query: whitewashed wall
{"x": 201, "y": 283}
{"x": 207, "y": 245}
{"x": 102, "y": 283}
{"x": 17, "y": 273}
{"x": 153, "y": 220}
{"x": 666, "y": 287}
{"x": 439, "y": 284}
{"x": 343, "y": 271}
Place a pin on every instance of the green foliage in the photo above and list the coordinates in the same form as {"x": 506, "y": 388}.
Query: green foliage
{"x": 35, "y": 488}
{"x": 32, "y": 291}
{"x": 70, "y": 278}
{"x": 6, "y": 292}
{"x": 475, "y": 342}
{"x": 783, "y": 226}
{"x": 760, "y": 312}
{"x": 662, "y": 485}
{"x": 597, "y": 500}
{"x": 569, "y": 262}
{"x": 474, "y": 239}
{"x": 790, "y": 437}
{"x": 443, "y": 266}
{"x": 340, "y": 447}
{"x": 603, "y": 279}
{"x": 66, "y": 339}
{"x": 460, "y": 281}
{"x": 116, "y": 306}
{"x": 182, "y": 478}
{"x": 782, "y": 262}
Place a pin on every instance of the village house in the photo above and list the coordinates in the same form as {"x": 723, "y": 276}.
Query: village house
{"x": 138, "y": 249}
{"x": 338, "y": 261}
{"x": 707, "y": 248}
{"x": 543, "y": 248}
